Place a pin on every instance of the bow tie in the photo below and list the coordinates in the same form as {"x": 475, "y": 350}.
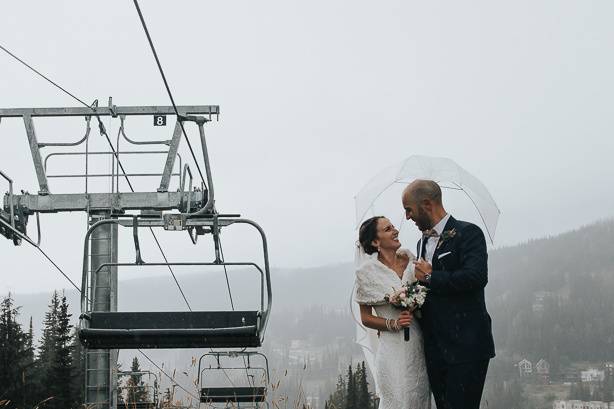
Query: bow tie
{"x": 430, "y": 233}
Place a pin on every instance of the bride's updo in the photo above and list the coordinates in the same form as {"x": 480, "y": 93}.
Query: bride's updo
{"x": 367, "y": 233}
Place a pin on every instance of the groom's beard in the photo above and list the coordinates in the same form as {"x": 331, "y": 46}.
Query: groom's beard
{"x": 423, "y": 221}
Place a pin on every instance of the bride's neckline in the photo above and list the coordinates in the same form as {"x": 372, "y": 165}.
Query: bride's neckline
{"x": 402, "y": 276}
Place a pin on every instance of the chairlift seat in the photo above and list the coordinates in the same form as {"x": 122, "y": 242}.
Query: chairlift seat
{"x": 176, "y": 329}
{"x": 234, "y": 394}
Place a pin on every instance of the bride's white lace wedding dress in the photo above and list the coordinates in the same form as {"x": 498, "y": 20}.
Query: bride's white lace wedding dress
{"x": 398, "y": 366}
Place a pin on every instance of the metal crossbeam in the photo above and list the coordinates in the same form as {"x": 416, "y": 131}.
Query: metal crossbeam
{"x": 186, "y": 112}
{"x": 118, "y": 202}
{"x": 111, "y": 111}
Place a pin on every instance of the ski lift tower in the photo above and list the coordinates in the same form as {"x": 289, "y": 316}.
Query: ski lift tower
{"x": 101, "y": 364}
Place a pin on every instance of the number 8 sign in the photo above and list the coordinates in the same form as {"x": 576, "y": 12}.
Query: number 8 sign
{"x": 159, "y": 120}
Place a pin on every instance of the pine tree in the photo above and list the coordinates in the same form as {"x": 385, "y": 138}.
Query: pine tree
{"x": 55, "y": 356}
{"x": 351, "y": 394}
{"x": 63, "y": 363}
{"x": 16, "y": 356}
{"x": 46, "y": 352}
{"x": 77, "y": 371}
{"x": 364, "y": 400}
{"x": 608, "y": 387}
{"x": 136, "y": 389}
{"x": 28, "y": 373}
{"x": 352, "y": 391}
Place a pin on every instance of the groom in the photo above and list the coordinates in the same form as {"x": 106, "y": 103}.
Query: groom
{"x": 458, "y": 340}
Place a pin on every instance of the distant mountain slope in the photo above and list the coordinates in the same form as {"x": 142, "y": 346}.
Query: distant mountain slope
{"x": 554, "y": 297}
{"x": 549, "y": 263}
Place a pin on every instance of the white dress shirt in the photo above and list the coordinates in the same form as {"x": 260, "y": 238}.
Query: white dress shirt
{"x": 431, "y": 244}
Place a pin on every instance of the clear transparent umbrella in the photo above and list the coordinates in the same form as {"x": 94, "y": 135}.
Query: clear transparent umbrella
{"x": 464, "y": 194}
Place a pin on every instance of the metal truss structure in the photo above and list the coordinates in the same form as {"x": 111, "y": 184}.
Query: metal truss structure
{"x": 102, "y": 329}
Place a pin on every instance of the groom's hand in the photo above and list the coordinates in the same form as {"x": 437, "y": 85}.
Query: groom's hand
{"x": 423, "y": 269}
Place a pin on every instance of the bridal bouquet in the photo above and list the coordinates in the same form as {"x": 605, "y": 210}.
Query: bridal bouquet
{"x": 410, "y": 296}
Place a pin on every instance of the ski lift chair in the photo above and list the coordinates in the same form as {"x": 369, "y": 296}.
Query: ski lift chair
{"x": 242, "y": 396}
{"x": 174, "y": 329}
{"x": 152, "y": 391}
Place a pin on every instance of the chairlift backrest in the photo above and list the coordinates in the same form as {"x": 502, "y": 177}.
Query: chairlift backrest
{"x": 174, "y": 329}
{"x": 233, "y": 394}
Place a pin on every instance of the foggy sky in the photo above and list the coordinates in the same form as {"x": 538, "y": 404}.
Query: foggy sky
{"x": 316, "y": 97}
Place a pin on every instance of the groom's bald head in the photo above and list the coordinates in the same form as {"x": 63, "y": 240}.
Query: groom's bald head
{"x": 420, "y": 190}
{"x": 422, "y": 203}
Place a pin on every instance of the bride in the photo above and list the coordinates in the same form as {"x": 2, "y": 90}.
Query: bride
{"x": 398, "y": 366}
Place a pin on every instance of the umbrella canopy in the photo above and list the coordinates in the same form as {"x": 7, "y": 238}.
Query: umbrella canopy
{"x": 382, "y": 194}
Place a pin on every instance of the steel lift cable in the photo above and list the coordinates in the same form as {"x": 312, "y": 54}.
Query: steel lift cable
{"x": 168, "y": 90}
{"x": 103, "y": 131}
{"x": 29, "y": 240}
{"x": 170, "y": 95}
{"x": 46, "y": 78}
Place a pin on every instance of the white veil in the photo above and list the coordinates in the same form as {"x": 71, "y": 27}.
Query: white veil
{"x": 367, "y": 338}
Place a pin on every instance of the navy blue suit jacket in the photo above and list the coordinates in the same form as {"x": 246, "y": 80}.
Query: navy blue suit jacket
{"x": 455, "y": 323}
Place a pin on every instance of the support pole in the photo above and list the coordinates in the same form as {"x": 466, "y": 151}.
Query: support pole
{"x": 101, "y": 365}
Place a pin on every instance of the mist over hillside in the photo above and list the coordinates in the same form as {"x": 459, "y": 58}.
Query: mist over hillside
{"x": 545, "y": 296}
{"x": 293, "y": 290}
{"x": 543, "y": 264}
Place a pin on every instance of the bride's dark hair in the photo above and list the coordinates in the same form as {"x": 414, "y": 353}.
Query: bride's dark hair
{"x": 367, "y": 233}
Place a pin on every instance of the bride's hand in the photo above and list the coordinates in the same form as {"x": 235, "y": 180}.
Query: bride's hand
{"x": 405, "y": 319}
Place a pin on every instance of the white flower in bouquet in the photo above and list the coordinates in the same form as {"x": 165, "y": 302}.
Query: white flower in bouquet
{"x": 409, "y": 296}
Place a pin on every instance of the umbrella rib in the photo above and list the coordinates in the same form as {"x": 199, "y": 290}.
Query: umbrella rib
{"x": 479, "y": 212}
{"x": 371, "y": 204}
{"x": 452, "y": 188}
